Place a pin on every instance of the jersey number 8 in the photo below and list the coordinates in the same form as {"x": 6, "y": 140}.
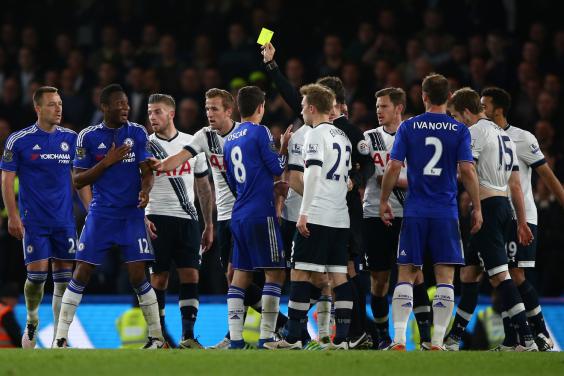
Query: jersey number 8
{"x": 238, "y": 166}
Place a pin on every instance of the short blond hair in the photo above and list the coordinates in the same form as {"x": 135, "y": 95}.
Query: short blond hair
{"x": 318, "y": 96}
{"x": 162, "y": 98}
{"x": 226, "y": 97}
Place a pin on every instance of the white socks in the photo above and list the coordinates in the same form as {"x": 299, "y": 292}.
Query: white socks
{"x": 324, "y": 316}
{"x": 33, "y": 292}
{"x": 402, "y": 305}
{"x": 443, "y": 304}
{"x": 150, "y": 308}
{"x": 71, "y": 300}
{"x": 270, "y": 307}
{"x": 236, "y": 312}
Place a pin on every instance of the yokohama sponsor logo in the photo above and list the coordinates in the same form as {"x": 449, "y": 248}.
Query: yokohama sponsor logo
{"x": 55, "y": 156}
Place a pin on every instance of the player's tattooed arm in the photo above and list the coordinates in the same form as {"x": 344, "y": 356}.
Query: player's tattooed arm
{"x": 15, "y": 226}
{"x": 83, "y": 177}
{"x": 147, "y": 180}
{"x": 206, "y": 199}
{"x": 469, "y": 178}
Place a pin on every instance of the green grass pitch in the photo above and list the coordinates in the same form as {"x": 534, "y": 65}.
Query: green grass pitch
{"x": 254, "y": 362}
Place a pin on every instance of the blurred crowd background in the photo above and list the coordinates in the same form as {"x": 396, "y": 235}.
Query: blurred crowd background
{"x": 184, "y": 48}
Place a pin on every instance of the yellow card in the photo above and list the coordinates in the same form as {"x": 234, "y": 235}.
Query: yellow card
{"x": 265, "y": 36}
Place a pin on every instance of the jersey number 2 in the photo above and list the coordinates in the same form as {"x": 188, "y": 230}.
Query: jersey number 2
{"x": 430, "y": 168}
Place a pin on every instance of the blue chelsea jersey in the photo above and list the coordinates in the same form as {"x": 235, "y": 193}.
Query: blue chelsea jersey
{"x": 432, "y": 144}
{"x": 251, "y": 162}
{"x": 43, "y": 162}
{"x": 116, "y": 192}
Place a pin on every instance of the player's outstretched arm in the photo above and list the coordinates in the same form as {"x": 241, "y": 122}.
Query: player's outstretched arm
{"x": 205, "y": 197}
{"x": 524, "y": 234}
{"x": 551, "y": 182}
{"x": 15, "y": 226}
{"x": 389, "y": 180}
{"x": 147, "y": 180}
{"x": 469, "y": 179}
{"x": 83, "y": 177}
{"x": 170, "y": 162}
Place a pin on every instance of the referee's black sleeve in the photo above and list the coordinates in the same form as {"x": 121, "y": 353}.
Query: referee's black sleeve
{"x": 362, "y": 165}
{"x": 289, "y": 93}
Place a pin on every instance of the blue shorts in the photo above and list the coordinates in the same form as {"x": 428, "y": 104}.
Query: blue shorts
{"x": 101, "y": 234}
{"x": 257, "y": 244}
{"x": 439, "y": 236}
{"x": 43, "y": 243}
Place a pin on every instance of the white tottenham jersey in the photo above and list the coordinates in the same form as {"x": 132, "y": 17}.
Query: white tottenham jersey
{"x": 291, "y": 211}
{"x": 329, "y": 147}
{"x": 380, "y": 145}
{"x": 529, "y": 156}
{"x": 495, "y": 154}
{"x": 211, "y": 143}
{"x": 173, "y": 191}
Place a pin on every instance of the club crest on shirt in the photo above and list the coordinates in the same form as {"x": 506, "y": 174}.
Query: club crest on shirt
{"x": 128, "y": 141}
{"x": 29, "y": 249}
{"x": 64, "y": 146}
{"x": 8, "y": 156}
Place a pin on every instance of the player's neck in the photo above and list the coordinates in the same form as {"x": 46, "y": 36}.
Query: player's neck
{"x": 226, "y": 128}
{"x": 255, "y": 119}
{"x": 393, "y": 127}
{"x": 45, "y": 126}
{"x": 111, "y": 124}
{"x": 436, "y": 109}
{"x": 475, "y": 118}
{"x": 501, "y": 122}
{"x": 168, "y": 133}
{"x": 315, "y": 121}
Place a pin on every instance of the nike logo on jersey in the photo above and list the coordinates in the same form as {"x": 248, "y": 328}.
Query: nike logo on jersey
{"x": 102, "y": 146}
{"x": 36, "y": 147}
